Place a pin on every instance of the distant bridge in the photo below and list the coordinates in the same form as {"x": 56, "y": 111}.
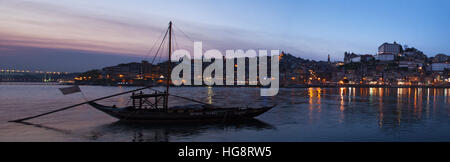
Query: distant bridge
{"x": 31, "y": 71}
{"x": 10, "y": 75}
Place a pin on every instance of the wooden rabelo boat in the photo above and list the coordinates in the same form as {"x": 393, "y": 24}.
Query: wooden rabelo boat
{"x": 154, "y": 107}
{"x": 180, "y": 113}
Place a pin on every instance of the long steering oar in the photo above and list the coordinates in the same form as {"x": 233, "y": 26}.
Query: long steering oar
{"x": 69, "y": 107}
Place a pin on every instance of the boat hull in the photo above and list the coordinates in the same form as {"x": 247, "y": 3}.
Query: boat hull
{"x": 181, "y": 114}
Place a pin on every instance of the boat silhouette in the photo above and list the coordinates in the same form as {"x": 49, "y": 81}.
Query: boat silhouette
{"x": 154, "y": 107}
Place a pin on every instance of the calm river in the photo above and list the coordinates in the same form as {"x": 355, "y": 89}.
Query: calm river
{"x": 302, "y": 114}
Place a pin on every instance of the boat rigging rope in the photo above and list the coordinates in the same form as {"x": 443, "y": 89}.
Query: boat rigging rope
{"x": 187, "y": 36}
{"x": 176, "y": 46}
{"x": 160, "y": 45}
{"x": 155, "y": 43}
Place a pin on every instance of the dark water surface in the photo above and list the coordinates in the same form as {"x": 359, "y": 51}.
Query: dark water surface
{"x": 302, "y": 114}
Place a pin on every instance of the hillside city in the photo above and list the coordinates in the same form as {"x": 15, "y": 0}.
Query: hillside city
{"x": 392, "y": 65}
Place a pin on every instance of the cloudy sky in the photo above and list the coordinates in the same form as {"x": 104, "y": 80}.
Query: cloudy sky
{"x": 77, "y": 35}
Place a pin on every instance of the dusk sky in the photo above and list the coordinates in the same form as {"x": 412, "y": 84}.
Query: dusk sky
{"x": 49, "y": 34}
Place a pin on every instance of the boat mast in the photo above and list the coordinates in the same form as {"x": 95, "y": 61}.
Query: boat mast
{"x": 169, "y": 69}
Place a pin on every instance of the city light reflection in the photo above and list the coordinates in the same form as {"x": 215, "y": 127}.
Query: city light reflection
{"x": 408, "y": 102}
{"x": 210, "y": 95}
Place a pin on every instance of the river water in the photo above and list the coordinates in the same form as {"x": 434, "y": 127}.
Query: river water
{"x": 302, "y": 114}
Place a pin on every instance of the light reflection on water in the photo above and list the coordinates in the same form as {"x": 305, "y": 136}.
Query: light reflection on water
{"x": 302, "y": 114}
